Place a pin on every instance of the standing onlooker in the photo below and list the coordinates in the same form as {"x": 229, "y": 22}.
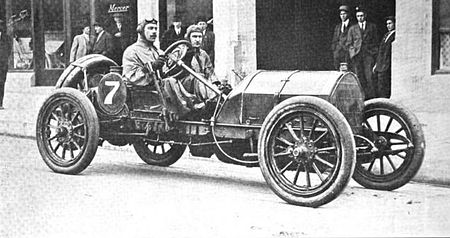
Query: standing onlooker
{"x": 383, "y": 64}
{"x": 362, "y": 41}
{"x": 175, "y": 33}
{"x": 103, "y": 42}
{"x": 122, "y": 36}
{"x": 338, "y": 44}
{"x": 208, "y": 38}
{"x": 5, "y": 51}
{"x": 81, "y": 45}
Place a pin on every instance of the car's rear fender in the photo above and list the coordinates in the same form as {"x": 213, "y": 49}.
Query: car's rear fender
{"x": 91, "y": 66}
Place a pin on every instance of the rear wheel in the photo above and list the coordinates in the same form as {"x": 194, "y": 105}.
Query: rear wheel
{"x": 159, "y": 154}
{"x": 306, "y": 151}
{"x": 67, "y": 131}
{"x": 399, "y": 146}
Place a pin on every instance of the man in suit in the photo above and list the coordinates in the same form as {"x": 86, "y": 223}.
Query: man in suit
{"x": 81, "y": 45}
{"x": 208, "y": 38}
{"x": 122, "y": 36}
{"x": 383, "y": 64}
{"x": 103, "y": 43}
{"x": 5, "y": 51}
{"x": 175, "y": 33}
{"x": 362, "y": 42}
{"x": 338, "y": 44}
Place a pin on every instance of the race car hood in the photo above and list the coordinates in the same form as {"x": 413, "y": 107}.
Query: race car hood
{"x": 251, "y": 101}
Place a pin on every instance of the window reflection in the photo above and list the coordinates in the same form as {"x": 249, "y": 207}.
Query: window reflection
{"x": 20, "y": 28}
{"x": 54, "y": 34}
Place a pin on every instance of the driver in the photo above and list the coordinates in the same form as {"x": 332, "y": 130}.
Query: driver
{"x": 142, "y": 60}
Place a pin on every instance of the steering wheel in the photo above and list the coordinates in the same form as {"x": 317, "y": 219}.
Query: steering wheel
{"x": 175, "y": 52}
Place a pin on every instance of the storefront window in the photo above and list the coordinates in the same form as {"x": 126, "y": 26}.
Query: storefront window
{"x": 444, "y": 34}
{"x": 18, "y": 13}
{"x": 441, "y": 36}
{"x": 120, "y": 19}
{"x": 54, "y": 34}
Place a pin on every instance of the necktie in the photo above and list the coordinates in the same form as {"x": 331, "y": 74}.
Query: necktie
{"x": 343, "y": 27}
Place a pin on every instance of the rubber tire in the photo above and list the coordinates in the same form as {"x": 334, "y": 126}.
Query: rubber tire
{"x": 164, "y": 160}
{"x": 344, "y": 132}
{"x": 88, "y": 112}
{"x": 418, "y": 141}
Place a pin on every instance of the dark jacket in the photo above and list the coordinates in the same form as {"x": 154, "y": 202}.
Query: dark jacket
{"x": 338, "y": 43}
{"x": 104, "y": 45}
{"x": 5, "y": 50}
{"x": 365, "y": 42}
{"x": 120, "y": 43}
{"x": 384, "y": 53}
{"x": 170, "y": 36}
{"x": 208, "y": 44}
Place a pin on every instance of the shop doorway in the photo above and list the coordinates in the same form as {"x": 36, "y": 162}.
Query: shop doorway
{"x": 296, "y": 35}
{"x": 57, "y": 22}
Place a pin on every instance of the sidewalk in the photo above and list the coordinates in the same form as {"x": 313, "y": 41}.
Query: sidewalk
{"x": 22, "y": 105}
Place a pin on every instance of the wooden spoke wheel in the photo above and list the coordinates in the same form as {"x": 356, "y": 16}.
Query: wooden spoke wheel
{"x": 399, "y": 146}
{"x": 306, "y": 151}
{"x": 67, "y": 131}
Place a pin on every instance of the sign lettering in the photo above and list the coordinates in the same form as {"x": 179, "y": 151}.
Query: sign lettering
{"x": 113, "y": 8}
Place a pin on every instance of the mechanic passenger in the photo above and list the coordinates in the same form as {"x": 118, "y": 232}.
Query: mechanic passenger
{"x": 142, "y": 60}
{"x": 200, "y": 62}
{"x": 208, "y": 37}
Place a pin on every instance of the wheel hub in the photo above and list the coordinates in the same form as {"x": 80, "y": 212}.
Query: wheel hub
{"x": 381, "y": 143}
{"x": 303, "y": 151}
{"x": 64, "y": 132}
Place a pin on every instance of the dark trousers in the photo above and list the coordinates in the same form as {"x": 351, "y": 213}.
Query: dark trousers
{"x": 383, "y": 84}
{"x": 3, "y": 72}
{"x": 342, "y": 57}
{"x": 362, "y": 67}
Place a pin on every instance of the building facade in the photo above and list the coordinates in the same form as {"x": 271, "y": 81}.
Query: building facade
{"x": 259, "y": 34}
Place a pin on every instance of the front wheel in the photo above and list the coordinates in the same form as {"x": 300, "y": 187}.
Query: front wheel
{"x": 306, "y": 151}
{"x": 67, "y": 131}
{"x": 159, "y": 154}
{"x": 399, "y": 145}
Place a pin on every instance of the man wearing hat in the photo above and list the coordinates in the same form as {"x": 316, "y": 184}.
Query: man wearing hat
{"x": 383, "y": 64}
{"x": 208, "y": 37}
{"x": 175, "y": 33}
{"x": 338, "y": 44}
{"x": 81, "y": 44}
{"x": 362, "y": 42}
{"x": 143, "y": 59}
{"x": 200, "y": 62}
{"x": 103, "y": 42}
{"x": 121, "y": 35}
{"x": 5, "y": 51}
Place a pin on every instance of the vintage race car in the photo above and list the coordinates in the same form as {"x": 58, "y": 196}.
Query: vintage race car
{"x": 309, "y": 132}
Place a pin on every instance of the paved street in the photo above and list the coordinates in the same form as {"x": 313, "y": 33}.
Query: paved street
{"x": 120, "y": 196}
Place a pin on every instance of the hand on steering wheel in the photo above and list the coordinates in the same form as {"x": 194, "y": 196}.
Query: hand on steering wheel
{"x": 174, "y": 53}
